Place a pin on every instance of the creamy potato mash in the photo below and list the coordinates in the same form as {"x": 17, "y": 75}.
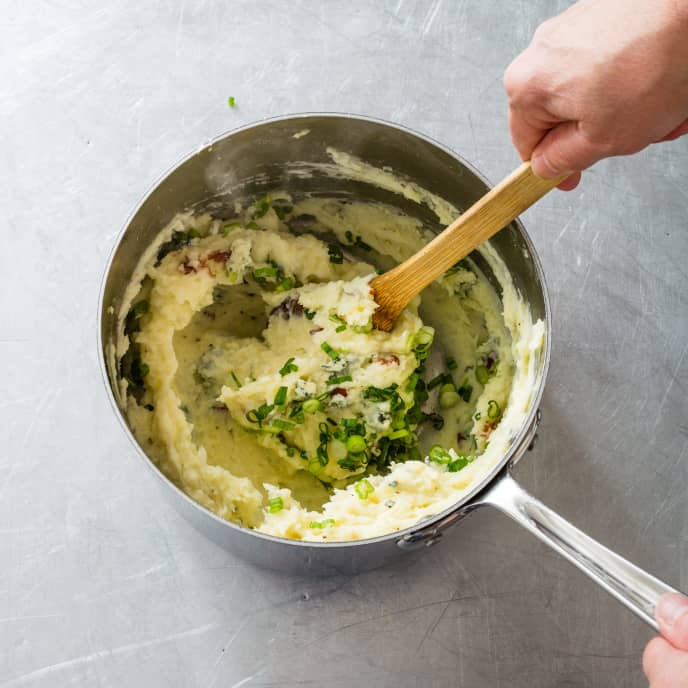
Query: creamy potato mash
{"x": 255, "y": 381}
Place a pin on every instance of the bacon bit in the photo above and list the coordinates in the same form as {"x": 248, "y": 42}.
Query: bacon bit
{"x": 185, "y": 267}
{"x": 488, "y": 427}
{"x": 339, "y": 390}
{"x": 219, "y": 256}
{"x": 316, "y": 329}
{"x": 287, "y": 308}
{"x": 388, "y": 359}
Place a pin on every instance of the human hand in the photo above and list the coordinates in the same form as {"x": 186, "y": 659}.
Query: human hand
{"x": 665, "y": 659}
{"x": 604, "y": 78}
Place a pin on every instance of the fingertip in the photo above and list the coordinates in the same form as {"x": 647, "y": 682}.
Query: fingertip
{"x": 570, "y": 183}
{"x": 672, "y": 617}
{"x": 655, "y": 655}
{"x": 542, "y": 166}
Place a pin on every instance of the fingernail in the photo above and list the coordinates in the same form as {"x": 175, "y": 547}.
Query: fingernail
{"x": 670, "y": 609}
{"x": 544, "y": 169}
{"x": 541, "y": 166}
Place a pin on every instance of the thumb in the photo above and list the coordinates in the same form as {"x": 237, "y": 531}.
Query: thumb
{"x": 672, "y": 617}
{"x": 564, "y": 150}
{"x": 681, "y": 130}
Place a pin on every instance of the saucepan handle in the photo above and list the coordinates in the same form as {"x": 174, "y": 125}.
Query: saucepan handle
{"x": 632, "y": 586}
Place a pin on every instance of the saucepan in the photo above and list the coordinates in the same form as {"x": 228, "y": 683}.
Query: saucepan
{"x": 287, "y": 153}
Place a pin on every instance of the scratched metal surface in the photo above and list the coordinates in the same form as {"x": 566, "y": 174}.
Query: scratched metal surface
{"x": 101, "y": 583}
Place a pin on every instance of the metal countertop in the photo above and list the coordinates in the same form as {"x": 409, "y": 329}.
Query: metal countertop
{"x": 101, "y": 583}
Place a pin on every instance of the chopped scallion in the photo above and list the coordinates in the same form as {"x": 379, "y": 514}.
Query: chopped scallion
{"x": 258, "y": 415}
{"x": 335, "y": 253}
{"x": 334, "y": 355}
{"x": 424, "y": 336}
{"x": 439, "y": 455}
{"x": 311, "y": 406}
{"x": 261, "y": 207}
{"x": 285, "y": 285}
{"x": 140, "y": 308}
{"x": 363, "y": 329}
{"x": 482, "y": 375}
{"x": 465, "y": 392}
{"x": 493, "y": 409}
{"x": 363, "y": 488}
{"x": 459, "y": 463}
{"x": 288, "y": 367}
{"x": 356, "y": 444}
{"x": 283, "y": 424}
{"x": 229, "y": 227}
{"x": 266, "y": 273}
{"x": 336, "y": 380}
{"x": 275, "y": 505}
{"x": 281, "y": 397}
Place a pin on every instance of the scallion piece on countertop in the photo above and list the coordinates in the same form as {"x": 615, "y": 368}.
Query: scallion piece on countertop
{"x": 275, "y": 504}
{"x": 231, "y": 101}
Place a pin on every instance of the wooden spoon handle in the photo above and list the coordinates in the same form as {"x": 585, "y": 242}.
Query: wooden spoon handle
{"x": 496, "y": 209}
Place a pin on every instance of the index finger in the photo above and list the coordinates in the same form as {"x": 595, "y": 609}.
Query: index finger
{"x": 524, "y": 134}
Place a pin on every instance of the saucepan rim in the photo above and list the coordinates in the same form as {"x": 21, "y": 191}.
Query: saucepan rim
{"x": 478, "y": 487}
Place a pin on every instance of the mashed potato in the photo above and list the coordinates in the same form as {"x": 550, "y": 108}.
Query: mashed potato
{"x": 255, "y": 381}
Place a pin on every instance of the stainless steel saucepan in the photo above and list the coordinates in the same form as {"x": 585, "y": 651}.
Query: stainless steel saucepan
{"x": 275, "y": 155}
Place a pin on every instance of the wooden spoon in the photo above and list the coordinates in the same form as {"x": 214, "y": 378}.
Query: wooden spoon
{"x": 496, "y": 209}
